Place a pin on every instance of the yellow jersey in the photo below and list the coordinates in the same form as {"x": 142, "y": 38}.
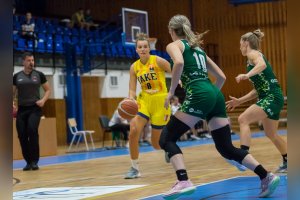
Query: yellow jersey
{"x": 150, "y": 76}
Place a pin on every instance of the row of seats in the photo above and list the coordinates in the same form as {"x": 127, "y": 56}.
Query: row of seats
{"x": 51, "y": 37}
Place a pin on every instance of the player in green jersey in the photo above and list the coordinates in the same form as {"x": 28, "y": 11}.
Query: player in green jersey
{"x": 204, "y": 100}
{"x": 266, "y": 89}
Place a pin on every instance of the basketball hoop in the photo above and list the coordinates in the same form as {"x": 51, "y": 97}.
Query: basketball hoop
{"x": 152, "y": 42}
{"x": 134, "y": 21}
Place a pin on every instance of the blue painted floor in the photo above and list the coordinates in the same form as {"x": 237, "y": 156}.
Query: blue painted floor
{"x": 234, "y": 188}
{"x": 100, "y": 153}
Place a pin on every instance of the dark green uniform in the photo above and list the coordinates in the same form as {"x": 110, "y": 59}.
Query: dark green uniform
{"x": 268, "y": 90}
{"x": 203, "y": 99}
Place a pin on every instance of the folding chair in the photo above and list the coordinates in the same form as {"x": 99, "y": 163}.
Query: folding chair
{"x": 75, "y": 132}
{"x": 104, "y": 120}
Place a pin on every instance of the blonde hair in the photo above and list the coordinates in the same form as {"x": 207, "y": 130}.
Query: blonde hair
{"x": 182, "y": 28}
{"x": 142, "y": 37}
{"x": 254, "y": 38}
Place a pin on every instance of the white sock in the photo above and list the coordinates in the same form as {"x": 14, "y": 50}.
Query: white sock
{"x": 135, "y": 164}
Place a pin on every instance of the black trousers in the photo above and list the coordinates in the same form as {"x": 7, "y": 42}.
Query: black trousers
{"x": 124, "y": 128}
{"x": 27, "y": 123}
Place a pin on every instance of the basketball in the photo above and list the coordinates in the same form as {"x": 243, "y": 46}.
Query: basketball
{"x": 127, "y": 109}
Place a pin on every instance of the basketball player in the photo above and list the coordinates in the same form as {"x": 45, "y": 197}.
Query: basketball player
{"x": 203, "y": 101}
{"x": 149, "y": 71}
{"x": 268, "y": 91}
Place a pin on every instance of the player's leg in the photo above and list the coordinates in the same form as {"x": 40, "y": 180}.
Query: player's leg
{"x": 136, "y": 126}
{"x": 252, "y": 114}
{"x": 177, "y": 126}
{"x": 219, "y": 125}
{"x": 159, "y": 117}
{"x": 270, "y": 128}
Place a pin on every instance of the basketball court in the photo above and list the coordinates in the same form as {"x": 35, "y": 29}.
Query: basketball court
{"x": 99, "y": 174}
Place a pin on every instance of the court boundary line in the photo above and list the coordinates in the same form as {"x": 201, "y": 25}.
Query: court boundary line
{"x": 210, "y": 142}
{"x": 211, "y": 183}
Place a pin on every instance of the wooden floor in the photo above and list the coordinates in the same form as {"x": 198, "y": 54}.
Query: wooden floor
{"x": 204, "y": 165}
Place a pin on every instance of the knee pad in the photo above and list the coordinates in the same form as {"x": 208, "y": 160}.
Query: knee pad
{"x": 170, "y": 134}
{"x": 223, "y": 143}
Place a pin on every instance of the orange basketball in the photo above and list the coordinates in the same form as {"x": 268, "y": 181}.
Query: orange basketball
{"x": 127, "y": 109}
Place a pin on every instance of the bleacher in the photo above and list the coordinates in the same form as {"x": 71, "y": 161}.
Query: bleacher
{"x": 52, "y": 35}
{"x": 255, "y": 126}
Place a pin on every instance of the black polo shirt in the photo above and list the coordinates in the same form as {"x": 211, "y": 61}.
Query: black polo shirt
{"x": 28, "y": 86}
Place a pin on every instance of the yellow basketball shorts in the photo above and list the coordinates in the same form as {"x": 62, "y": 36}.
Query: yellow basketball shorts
{"x": 151, "y": 107}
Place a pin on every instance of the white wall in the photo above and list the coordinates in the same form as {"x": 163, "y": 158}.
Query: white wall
{"x": 109, "y": 91}
{"x": 57, "y": 90}
{"x": 106, "y": 89}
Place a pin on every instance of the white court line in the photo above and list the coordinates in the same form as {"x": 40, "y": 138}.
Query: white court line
{"x": 203, "y": 184}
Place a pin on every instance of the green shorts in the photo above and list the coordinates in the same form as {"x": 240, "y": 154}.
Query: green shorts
{"x": 204, "y": 100}
{"x": 272, "y": 105}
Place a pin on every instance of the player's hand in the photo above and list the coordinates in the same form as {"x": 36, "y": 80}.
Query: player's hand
{"x": 180, "y": 83}
{"x": 132, "y": 99}
{"x": 167, "y": 101}
{"x": 231, "y": 104}
{"x": 40, "y": 103}
{"x": 241, "y": 77}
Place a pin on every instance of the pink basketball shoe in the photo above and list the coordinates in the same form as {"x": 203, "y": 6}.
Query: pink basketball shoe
{"x": 180, "y": 188}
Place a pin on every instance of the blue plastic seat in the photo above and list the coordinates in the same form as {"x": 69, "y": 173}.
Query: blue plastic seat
{"x": 59, "y": 47}
{"x": 49, "y": 46}
{"x": 21, "y": 44}
{"x": 66, "y": 38}
{"x": 41, "y": 46}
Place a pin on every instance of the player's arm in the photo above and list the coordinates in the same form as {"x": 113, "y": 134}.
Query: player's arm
{"x": 259, "y": 63}
{"x": 47, "y": 91}
{"x": 15, "y": 89}
{"x": 213, "y": 68}
{"x": 175, "y": 49}
{"x": 235, "y": 102}
{"x": 163, "y": 64}
{"x": 132, "y": 83}
{"x": 251, "y": 95}
{"x": 14, "y": 93}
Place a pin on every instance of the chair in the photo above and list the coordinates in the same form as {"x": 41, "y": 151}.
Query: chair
{"x": 104, "y": 120}
{"x": 75, "y": 132}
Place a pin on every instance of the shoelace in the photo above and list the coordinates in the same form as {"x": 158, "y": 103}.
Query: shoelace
{"x": 174, "y": 186}
{"x": 263, "y": 183}
{"x": 282, "y": 165}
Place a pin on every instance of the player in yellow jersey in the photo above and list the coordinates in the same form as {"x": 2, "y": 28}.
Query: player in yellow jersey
{"x": 149, "y": 71}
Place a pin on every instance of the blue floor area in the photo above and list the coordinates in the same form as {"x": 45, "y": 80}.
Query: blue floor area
{"x": 234, "y": 188}
{"x": 75, "y": 157}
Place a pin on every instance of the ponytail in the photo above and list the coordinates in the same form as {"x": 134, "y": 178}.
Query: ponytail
{"x": 182, "y": 27}
{"x": 254, "y": 38}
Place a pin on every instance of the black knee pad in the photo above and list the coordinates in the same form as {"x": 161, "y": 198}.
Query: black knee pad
{"x": 170, "y": 134}
{"x": 223, "y": 143}
{"x": 163, "y": 137}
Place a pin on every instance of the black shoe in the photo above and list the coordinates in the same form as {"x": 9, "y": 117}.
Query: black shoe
{"x": 27, "y": 167}
{"x": 34, "y": 166}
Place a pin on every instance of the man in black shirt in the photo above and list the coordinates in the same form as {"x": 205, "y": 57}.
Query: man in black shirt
{"x": 26, "y": 86}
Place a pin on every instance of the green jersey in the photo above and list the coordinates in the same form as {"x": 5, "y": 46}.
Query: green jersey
{"x": 194, "y": 64}
{"x": 265, "y": 83}
{"x": 203, "y": 99}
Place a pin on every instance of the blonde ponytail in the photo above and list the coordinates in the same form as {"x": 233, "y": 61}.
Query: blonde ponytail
{"x": 254, "y": 38}
{"x": 182, "y": 27}
{"x": 258, "y": 34}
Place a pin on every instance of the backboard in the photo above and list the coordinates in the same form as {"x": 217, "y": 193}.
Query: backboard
{"x": 134, "y": 21}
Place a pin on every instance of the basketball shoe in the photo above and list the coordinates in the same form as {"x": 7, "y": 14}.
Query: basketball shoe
{"x": 282, "y": 168}
{"x": 180, "y": 188}
{"x": 269, "y": 184}
{"x": 132, "y": 173}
